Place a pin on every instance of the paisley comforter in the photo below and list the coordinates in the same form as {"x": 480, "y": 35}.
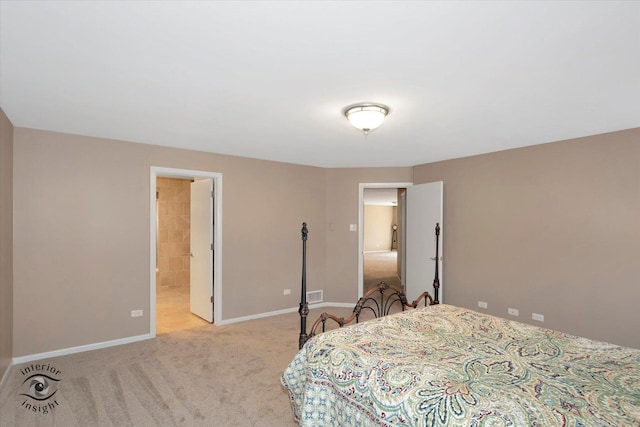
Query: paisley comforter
{"x": 449, "y": 366}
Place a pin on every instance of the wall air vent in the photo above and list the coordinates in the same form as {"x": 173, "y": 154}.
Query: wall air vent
{"x": 314, "y": 297}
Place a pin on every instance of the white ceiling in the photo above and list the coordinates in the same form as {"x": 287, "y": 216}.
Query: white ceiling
{"x": 270, "y": 79}
{"x": 380, "y": 196}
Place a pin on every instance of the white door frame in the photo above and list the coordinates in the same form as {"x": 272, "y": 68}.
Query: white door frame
{"x": 361, "y": 188}
{"x": 163, "y": 172}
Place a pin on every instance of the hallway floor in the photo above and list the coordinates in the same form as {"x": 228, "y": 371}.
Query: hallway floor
{"x": 172, "y": 310}
{"x": 380, "y": 267}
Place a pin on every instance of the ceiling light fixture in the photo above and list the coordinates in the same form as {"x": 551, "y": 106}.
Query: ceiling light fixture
{"x": 366, "y": 117}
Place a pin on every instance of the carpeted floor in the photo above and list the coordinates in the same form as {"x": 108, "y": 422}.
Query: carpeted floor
{"x": 204, "y": 376}
{"x": 380, "y": 267}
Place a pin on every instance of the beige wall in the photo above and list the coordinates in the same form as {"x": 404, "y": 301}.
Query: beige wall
{"x": 82, "y": 224}
{"x": 547, "y": 228}
{"x": 174, "y": 232}
{"x": 6, "y": 242}
{"x": 377, "y": 227}
{"x": 342, "y": 209}
{"x": 552, "y": 229}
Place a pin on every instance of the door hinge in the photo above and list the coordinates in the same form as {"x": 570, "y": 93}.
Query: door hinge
{"x": 212, "y": 194}
{"x": 212, "y": 246}
{"x": 211, "y": 300}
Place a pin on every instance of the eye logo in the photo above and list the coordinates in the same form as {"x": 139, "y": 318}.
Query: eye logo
{"x": 39, "y": 387}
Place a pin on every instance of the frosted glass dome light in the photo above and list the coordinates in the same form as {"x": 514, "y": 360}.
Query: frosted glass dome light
{"x": 366, "y": 117}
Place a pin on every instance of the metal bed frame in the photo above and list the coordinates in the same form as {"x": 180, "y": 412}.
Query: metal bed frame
{"x": 378, "y": 300}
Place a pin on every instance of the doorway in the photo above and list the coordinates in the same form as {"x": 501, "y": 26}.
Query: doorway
{"x": 177, "y": 291}
{"x": 381, "y": 219}
{"x": 380, "y": 264}
{"x": 421, "y": 207}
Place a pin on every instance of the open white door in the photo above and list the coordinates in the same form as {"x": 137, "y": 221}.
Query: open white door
{"x": 201, "y": 265}
{"x": 423, "y": 211}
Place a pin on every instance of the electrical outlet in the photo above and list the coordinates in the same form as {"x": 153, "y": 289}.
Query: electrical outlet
{"x": 287, "y": 292}
{"x": 136, "y": 313}
{"x": 353, "y": 227}
{"x": 513, "y": 311}
{"x": 538, "y": 317}
{"x": 482, "y": 304}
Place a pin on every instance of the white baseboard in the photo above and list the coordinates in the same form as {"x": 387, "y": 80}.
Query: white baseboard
{"x": 6, "y": 374}
{"x": 334, "y": 304}
{"x": 80, "y": 349}
{"x": 128, "y": 340}
{"x": 283, "y": 311}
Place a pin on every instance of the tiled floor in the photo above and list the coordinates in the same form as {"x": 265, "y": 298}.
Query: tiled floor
{"x": 172, "y": 310}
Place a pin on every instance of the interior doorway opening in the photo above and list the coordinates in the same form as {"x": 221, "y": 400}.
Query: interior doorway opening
{"x": 181, "y": 297}
{"x": 380, "y": 247}
{"x": 420, "y": 207}
{"x": 173, "y": 284}
{"x": 381, "y": 237}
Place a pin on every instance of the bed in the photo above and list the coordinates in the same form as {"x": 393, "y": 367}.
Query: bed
{"x": 449, "y": 366}
{"x": 442, "y": 365}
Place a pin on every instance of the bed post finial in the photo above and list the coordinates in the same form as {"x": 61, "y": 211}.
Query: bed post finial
{"x": 436, "y": 279}
{"x": 304, "y": 307}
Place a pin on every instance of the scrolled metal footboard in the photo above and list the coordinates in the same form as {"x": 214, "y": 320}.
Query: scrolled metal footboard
{"x": 378, "y": 300}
